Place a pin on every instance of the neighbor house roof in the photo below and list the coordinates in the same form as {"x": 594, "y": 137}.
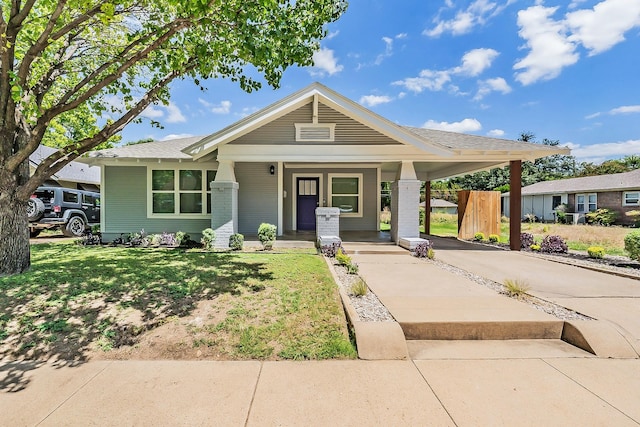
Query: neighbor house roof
{"x": 440, "y": 203}
{"x": 170, "y": 149}
{"x": 73, "y": 172}
{"x": 612, "y": 182}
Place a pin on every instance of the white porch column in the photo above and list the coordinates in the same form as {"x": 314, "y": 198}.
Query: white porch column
{"x": 405, "y": 201}
{"x": 224, "y": 204}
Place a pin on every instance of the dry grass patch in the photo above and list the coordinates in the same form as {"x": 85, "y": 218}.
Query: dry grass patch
{"x": 581, "y": 237}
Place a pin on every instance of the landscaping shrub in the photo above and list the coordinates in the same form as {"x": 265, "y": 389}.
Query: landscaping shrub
{"x": 601, "y": 217}
{"x": 182, "y": 238}
{"x": 267, "y": 234}
{"x": 236, "y": 242}
{"x": 561, "y": 213}
{"x": 553, "y": 245}
{"x": 635, "y": 217}
{"x": 516, "y": 288}
{"x": 479, "y": 237}
{"x": 385, "y": 215}
{"x": 342, "y": 258}
{"x": 352, "y": 268}
{"x": 359, "y": 288}
{"x": 526, "y": 240}
{"x": 530, "y": 218}
{"x": 331, "y": 250}
{"x": 168, "y": 239}
{"x": 535, "y": 248}
{"x": 494, "y": 238}
{"x": 632, "y": 244}
{"x": 208, "y": 238}
{"x": 595, "y": 252}
{"x": 424, "y": 250}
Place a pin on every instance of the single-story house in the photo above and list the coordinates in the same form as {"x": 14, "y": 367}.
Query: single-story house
{"x": 619, "y": 192}
{"x": 76, "y": 175}
{"x": 314, "y": 148}
{"x": 443, "y": 206}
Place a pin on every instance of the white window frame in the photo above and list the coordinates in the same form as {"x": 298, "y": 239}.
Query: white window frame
{"x": 586, "y": 202}
{"x": 360, "y": 177}
{"x": 624, "y": 198}
{"x": 176, "y": 191}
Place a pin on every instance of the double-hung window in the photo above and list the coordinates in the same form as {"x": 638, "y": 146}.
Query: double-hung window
{"x": 345, "y": 192}
{"x": 586, "y": 202}
{"x": 180, "y": 192}
{"x": 631, "y": 198}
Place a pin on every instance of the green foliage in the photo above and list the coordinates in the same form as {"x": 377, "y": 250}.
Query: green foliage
{"x": 267, "y": 234}
{"x": 182, "y": 238}
{"x": 424, "y": 250}
{"x": 535, "y": 247}
{"x": 494, "y": 238}
{"x": 359, "y": 288}
{"x": 632, "y": 244}
{"x": 516, "y": 288}
{"x": 208, "y": 239}
{"x": 601, "y": 217}
{"x": 352, "y": 268}
{"x": 635, "y": 216}
{"x": 342, "y": 258}
{"x": 479, "y": 237}
{"x": 595, "y": 252}
{"x": 236, "y": 242}
{"x": 385, "y": 215}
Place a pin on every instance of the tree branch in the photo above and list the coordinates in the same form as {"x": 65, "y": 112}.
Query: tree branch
{"x": 62, "y": 157}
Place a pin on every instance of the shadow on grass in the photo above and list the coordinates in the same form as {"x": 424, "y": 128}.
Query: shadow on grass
{"x": 75, "y": 298}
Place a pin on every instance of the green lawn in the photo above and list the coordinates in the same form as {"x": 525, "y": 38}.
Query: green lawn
{"x": 262, "y": 305}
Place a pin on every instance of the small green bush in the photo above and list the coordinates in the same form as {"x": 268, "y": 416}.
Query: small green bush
{"x": 236, "y": 242}
{"x": 182, "y": 238}
{"x": 535, "y": 248}
{"x": 516, "y": 288}
{"x": 267, "y": 234}
{"x": 635, "y": 217}
{"x": 352, "y": 268}
{"x": 595, "y": 252}
{"x": 601, "y": 217}
{"x": 494, "y": 238}
{"x": 632, "y": 244}
{"x": 553, "y": 245}
{"x": 359, "y": 288}
{"x": 208, "y": 238}
{"x": 342, "y": 258}
{"x": 479, "y": 237}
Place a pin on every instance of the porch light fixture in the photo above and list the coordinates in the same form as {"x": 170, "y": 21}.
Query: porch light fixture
{"x": 272, "y": 169}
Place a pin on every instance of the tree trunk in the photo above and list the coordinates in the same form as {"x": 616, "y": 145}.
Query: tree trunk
{"x": 14, "y": 236}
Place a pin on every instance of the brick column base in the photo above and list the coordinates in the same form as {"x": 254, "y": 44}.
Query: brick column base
{"x": 405, "y": 213}
{"x": 224, "y": 211}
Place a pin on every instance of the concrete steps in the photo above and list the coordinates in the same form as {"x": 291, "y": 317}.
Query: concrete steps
{"x": 505, "y": 329}
{"x": 493, "y": 349}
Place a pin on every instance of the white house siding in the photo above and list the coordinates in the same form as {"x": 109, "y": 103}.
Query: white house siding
{"x": 369, "y": 219}
{"x": 257, "y": 196}
{"x": 282, "y": 131}
{"x": 124, "y": 206}
{"x": 541, "y": 205}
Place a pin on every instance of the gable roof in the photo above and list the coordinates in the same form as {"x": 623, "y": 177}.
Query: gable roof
{"x": 73, "y": 171}
{"x": 311, "y": 93}
{"x": 169, "y": 149}
{"x": 441, "y": 203}
{"x": 612, "y": 182}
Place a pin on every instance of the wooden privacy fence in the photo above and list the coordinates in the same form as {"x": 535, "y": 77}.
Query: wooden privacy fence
{"x": 478, "y": 211}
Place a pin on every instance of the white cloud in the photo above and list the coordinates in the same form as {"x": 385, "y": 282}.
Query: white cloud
{"x": 466, "y": 125}
{"x": 325, "y": 63}
{"x": 496, "y": 133}
{"x": 176, "y": 136}
{"x": 553, "y": 43}
{"x": 152, "y": 112}
{"x": 373, "y": 100}
{"x": 492, "y": 85}
{"x": 599, "y": 152}
{"x": 174, "y": 115}
{"x": 224, "y": 107}
{"x": 401, "y": 36}
{"x": 332, "y": 35}
{"x": 626, "y": 109}
{"x": 478, "y": 13}
{"x": 601, "y": 28}
{"x": 593, "y": 116}
{"x": 388, "y": 50}
{"x": 476, "y": 61}
{"x": 550, "y": 51}
{"x": 473, "y": 63}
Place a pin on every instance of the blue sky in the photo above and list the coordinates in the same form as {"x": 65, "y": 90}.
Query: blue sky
{"x": 566, "y": 71}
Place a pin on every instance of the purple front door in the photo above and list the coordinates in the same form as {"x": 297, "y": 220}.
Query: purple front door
{"x": 307, "y": 201}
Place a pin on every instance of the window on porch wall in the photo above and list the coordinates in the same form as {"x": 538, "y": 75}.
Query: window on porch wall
{"x": 345, "y": 192}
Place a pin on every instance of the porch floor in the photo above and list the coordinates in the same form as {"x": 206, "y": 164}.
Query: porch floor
{"x": 305, "y": 239}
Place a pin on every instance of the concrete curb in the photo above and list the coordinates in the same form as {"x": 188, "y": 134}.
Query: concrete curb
{"x": 374, "y": 340}
{"x": 599, "y": 338}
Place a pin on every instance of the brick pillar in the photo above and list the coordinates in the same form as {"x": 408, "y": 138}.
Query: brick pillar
{"x": 405, "y": 204}
{"x": 515, "y": 204}
{"x": 224, "y": 211}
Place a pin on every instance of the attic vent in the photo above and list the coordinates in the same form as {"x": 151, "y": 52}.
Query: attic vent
{"x": 321, "y": 132}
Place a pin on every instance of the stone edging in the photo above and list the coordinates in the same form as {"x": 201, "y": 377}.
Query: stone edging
{"x": 374, "y": 340}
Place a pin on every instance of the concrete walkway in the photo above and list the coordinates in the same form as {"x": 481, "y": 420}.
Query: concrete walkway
{"x": 465, "y": 383}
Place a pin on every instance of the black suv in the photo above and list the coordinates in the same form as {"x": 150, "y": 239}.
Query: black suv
{"x": 70, "y": 210}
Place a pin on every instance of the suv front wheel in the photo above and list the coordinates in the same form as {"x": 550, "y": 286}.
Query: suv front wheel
{"x": 75, "y": 227}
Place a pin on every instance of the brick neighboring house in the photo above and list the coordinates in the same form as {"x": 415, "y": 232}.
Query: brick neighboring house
{"x": 618, "y": 192}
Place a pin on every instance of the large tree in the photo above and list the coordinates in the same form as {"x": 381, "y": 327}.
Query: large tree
{"x": 62, "y": 60}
